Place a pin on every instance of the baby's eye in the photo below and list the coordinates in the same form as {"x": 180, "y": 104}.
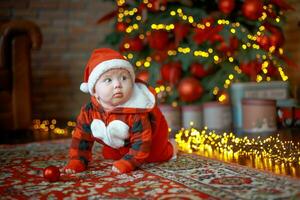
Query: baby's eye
{"x": 107, "y": 80}
{"x": 124, "y": 78}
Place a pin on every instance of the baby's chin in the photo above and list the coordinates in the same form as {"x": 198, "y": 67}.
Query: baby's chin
{"x": 118, "y": 101}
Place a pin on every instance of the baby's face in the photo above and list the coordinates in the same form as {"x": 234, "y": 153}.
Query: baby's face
{"x": 113, "y": 88}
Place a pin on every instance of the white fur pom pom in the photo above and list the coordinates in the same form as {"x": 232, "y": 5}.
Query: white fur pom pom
{"x": 84, "y": 87}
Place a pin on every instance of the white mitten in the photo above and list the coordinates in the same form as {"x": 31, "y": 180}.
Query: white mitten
{"x": 99, "y": 129}
{"x": 113, "y": 135}
{"x": 117, "y": 132}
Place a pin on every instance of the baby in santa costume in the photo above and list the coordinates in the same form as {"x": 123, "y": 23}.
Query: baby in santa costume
{"x": 122, "y": 115}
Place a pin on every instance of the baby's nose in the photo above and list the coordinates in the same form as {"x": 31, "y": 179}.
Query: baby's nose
{"x": 117, "y": 84}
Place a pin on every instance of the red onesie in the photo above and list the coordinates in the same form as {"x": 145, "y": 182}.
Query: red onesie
{"x": 132, "y": 134}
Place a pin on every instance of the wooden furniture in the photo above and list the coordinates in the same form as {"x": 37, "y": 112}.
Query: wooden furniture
{"x": 17, "y": 38}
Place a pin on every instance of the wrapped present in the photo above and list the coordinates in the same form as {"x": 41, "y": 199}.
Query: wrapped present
{"x": 277, "y": 90}
{"x": 192, "y": 116}
{"x": 259, "y": 115}
{"x": 217, "y": 116}
{"x": 288, "y": 114}
{"x": 172, "y": 115}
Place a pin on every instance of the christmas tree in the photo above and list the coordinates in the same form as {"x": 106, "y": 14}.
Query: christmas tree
{"x": 191, "y": 51}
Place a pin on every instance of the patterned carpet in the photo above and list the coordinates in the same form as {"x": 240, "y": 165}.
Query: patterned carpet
{"x": 189, "y": 177}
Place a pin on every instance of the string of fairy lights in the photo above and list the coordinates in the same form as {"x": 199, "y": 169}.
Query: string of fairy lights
{"x": 271, "y": 148}
{"x": 50, "y": 126}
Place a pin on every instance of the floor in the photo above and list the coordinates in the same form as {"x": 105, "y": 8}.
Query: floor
{"x": 258, "y": 162}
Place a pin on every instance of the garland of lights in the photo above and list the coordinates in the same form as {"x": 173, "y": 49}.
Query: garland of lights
{"x": 201, "y": 141}
{"x": 192, "y": 140}
{"x": 50, "y": 126}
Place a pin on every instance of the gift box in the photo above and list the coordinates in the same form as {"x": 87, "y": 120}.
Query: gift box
{"x": 172, "y": 115}
{"x": 192, "y": 116}
{"x": 288, "y": 114}
{"x": 277, "y": 90}
{"x": 217, "y": 116}
{"x": 259, "y": 115}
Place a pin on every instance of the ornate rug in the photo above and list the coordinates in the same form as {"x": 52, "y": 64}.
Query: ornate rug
{"x": 189, "y": 177}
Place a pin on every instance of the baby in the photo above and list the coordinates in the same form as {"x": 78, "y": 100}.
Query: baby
{"x": 122, "y": 115}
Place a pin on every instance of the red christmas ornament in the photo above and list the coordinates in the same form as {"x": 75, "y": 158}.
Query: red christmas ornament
{"x": 263, "y": 41}
{"x": 229, "y": 48}
{"x": 132, "y": 44}
{"x": 216, "y": 38}
{"x": 189, "y": 89}
{"x": 251, "y": 69}
{"x": 136, "y": 44}
{"x": 208, "y": 33}
{"x": 180, "y": 31}
{"x": 143, "y": 75}
{"x": 51, "y": 173}
{"x": 200, "y": 35}
{"x": 272, "y": 70}
{"x": 226, "y": 6}
{"x": 276, "y": 39}
{"x": 121, "y": 27}
{"x": 252, "y": 9}
{"x": 160, "y": 56}
{"x": 198, "y": 70}
{"x": 171, "y": 72}
{"x": 158, "y": 39}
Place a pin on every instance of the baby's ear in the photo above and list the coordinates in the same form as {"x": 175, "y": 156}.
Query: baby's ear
{"x": 94, "y": 92}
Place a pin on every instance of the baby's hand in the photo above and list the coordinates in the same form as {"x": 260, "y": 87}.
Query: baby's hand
{"x": 114, "y": 169}
{"x": 74, "y": 166}
{"x": 67, "y": 171}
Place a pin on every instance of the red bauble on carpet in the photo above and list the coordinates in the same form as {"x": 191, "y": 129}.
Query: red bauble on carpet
{"x": 252, "y": 9}
{"x": 51, "y": 173}
{"x": 190, "y": 89}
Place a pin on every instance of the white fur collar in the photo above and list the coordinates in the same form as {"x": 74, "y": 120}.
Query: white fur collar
{"x": 141, "y": 98}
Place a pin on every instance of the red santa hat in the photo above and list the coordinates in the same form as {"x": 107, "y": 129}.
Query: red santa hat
{"x": 102, "y": 60}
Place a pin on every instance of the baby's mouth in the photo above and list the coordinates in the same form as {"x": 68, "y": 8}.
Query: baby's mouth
{"x": 118, "y": 95}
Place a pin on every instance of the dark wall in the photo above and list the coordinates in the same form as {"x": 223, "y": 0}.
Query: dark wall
{"x": 69, "y": 33}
